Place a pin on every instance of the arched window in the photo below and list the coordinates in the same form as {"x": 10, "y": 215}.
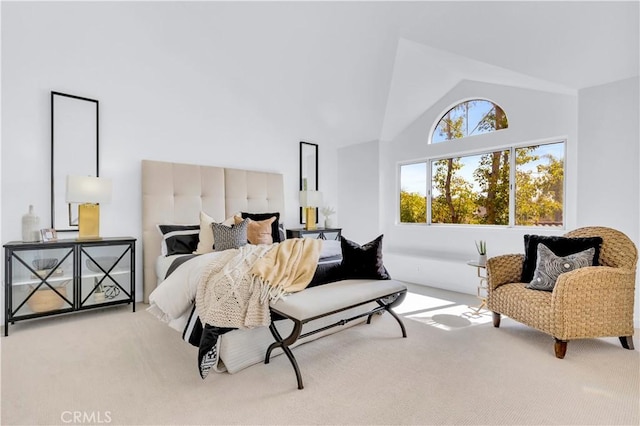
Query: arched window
{"x": 498, "y": 183}
{"x": 469, "y": 118}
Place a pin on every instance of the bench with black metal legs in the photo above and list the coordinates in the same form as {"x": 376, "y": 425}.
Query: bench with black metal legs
{"x": 321, "y": 301}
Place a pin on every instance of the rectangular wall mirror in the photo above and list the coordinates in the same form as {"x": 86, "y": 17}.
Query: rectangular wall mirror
{"x": 74, "y": 151}
{"x": 308, "y": 171}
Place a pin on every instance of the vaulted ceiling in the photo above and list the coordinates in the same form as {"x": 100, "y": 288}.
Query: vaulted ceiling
{"x": 363, "y": 70}
{"x": 354, "y": 71}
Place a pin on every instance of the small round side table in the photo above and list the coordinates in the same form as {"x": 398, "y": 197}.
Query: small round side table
{"x": 483, "y": 285}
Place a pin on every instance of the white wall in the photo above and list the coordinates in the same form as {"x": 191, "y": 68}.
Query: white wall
{"x": 164, "y": 93}
{"x": 435, "y": 255}
{"x": 609, "y": 134}
{"x": 358, "y": 198}
{"x": 608, "y": 157}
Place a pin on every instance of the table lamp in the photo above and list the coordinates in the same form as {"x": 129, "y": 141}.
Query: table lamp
{"x": 89, "y": 192}
{"x": 310, "y": 200}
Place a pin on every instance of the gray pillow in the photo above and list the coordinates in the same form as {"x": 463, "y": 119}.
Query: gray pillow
{"x": 229, "y": 237}
{"x": 549, "y": 266}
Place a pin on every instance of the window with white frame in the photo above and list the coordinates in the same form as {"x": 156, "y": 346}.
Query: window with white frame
{"x": 469, "y": 118}
{"x": 521, "y": 185}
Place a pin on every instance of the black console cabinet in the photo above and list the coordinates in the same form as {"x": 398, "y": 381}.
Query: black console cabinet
{"x": 320, "y": 233}
{"x": 55, "y": 277}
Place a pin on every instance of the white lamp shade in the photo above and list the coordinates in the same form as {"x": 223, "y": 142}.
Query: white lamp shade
{"x": 310, "y": 198}
{"x": 88, "y": 189}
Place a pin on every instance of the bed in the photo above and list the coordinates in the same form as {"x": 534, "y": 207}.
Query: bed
{"x": 175, "y": 193}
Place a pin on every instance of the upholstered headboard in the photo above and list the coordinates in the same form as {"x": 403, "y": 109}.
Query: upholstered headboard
{"x": 174, "y": 193}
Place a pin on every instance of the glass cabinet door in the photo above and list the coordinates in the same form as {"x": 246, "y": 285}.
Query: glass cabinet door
{"x": 105, "y": 274}
{"x": 41, "y": 281}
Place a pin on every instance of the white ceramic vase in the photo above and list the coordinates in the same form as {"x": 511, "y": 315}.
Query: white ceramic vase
{"x": 30, "y": 226}
{"x": 328, "y": 222}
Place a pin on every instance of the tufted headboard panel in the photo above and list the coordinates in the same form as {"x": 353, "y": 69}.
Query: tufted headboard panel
{"x": 175, "y": 193}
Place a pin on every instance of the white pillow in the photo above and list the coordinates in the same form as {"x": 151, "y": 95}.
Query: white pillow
{"x": 205, "y": 245}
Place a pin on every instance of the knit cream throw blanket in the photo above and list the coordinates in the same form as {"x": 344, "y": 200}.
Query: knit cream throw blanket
{"x": 236, "y": 287}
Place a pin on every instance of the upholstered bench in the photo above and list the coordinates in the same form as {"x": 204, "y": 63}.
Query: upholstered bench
{"x": 321, "y": 301}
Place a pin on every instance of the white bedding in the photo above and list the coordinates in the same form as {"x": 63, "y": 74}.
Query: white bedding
{"x": 173, "y": 300}
{"x": 175, "y": 295}
{"x": 163, "y": 263}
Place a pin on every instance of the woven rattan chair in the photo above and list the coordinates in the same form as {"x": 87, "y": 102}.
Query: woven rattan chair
{"x": 596, "y": 301}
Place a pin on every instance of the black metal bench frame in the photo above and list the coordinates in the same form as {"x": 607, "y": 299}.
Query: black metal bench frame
{"x": 296, "y": 333}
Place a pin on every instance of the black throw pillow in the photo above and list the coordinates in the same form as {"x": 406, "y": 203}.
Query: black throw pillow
{"x": 179, "y": 239}
{"x": 275, "y": 232}
{"x": 560, "y": 246}
{"x": 363, "y": 261}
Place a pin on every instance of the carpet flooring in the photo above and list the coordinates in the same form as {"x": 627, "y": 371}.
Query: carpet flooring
{"x": 116, "y": 367}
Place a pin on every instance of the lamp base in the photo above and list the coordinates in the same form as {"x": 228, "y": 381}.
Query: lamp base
{"x": 310, "y": 218}
{"x": 89, "y": 221}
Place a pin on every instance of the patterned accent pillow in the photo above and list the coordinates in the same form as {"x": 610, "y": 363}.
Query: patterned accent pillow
{"x": 205, "y": 238}
{"x": 549, "y": 266}
{"x": 229, "y": 237}
{"x": 560, "y": 246}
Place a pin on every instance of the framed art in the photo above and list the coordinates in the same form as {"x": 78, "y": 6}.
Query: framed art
{"x": 48, "y": 234}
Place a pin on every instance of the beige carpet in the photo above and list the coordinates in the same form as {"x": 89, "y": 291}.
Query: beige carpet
{"x": 116, "y": 367}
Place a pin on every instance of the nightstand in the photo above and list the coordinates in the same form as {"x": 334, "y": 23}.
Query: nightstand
{"x": 321, "y": 233}
{"x": 55, "y": 277}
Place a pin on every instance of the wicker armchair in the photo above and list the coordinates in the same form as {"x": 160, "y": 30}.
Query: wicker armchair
{"x": 596, "y": 301}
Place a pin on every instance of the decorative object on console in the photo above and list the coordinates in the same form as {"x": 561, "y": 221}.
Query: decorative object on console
{"x": 89, "y": 191}
{"x": 46, "y": 299}
{"x": 309, "y": 200}
{"x": 48, "y": 234}
{"x": 105, "y": 262}
{"x": 43, "y": 268}
{"x": 111, "y": 291}
{"x": 47, "y": 263}
{"x": 98, "y": 296}
{"x": 327, "y": 212}
{"x": 98, "y": 292}
{"x": 30, "y": 226}
{"x": 481, "y": 246}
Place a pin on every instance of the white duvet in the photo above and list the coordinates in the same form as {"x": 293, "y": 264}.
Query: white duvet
{"x": 175, "y": 296}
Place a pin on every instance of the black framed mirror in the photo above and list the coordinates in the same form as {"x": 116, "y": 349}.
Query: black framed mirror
{"x": 74, "y": 151}
{"x": 308, "y": 171}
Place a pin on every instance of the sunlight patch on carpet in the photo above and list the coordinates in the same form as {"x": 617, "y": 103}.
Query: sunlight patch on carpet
{"x": 416, "y": 303}
{"x": 451, "y": 317}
